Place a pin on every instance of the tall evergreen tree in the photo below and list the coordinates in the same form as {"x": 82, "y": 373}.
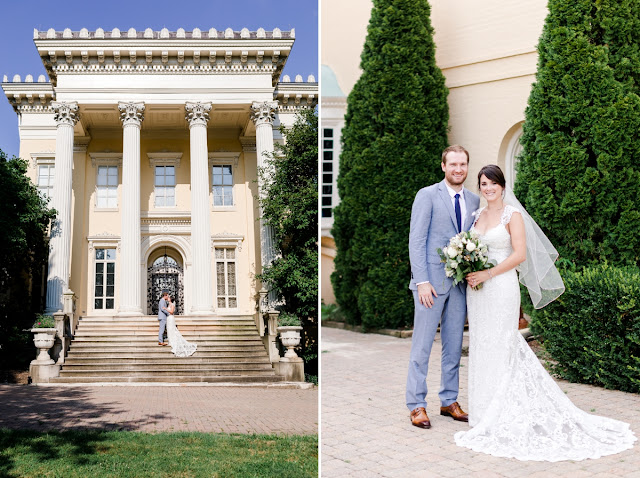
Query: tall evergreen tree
{"x": 579, "y": 174}
{"x": 395, "y": 131}
{"x": 289, "y": 204}
{"x": 23, "y": 236}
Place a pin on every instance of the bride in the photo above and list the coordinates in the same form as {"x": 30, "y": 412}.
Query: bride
{"x": 179, "y": 346}
{"x": 515, "y": 408}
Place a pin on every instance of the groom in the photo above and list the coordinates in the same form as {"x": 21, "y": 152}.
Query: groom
{"x": 439, "y": 212}
{"x": 163, "y": 313}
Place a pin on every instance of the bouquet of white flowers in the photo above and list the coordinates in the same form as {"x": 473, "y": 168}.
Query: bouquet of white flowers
{"x": 464, "y": 254}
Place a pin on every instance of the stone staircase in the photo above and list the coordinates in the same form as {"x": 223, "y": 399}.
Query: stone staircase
{"x": 125, "y": 349}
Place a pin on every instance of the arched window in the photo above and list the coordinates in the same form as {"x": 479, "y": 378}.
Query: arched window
{"x": 512, "y": 148}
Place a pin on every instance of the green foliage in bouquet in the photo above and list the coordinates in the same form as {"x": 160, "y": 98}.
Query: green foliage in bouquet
{"x": 395, "y": 131}
{"x": 578, "y": 174}
{"x": 465, "y": 254}
{"x": 593, "y": 330}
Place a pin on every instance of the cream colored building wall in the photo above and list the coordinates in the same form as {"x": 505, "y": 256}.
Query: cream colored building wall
{"x": 486, "y": 50}
{"x": 89, "y": 221}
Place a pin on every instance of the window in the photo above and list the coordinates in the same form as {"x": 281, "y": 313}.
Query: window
{"x": 46, "y": 173}
{"x": 222, "y": 181}
{"x": 105, "y": 279}
{"x": 226, "y": 277}
{"x": 107, "y": 187}
{"x": 327, "y": 172}
{"x": 165, "y": 192}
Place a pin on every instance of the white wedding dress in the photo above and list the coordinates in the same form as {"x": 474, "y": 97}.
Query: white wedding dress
{"x": 179, "y": 345}
{"x": 515, "y": 407}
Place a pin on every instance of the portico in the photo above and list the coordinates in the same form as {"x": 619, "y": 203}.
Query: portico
{"x": 153, "y": 140}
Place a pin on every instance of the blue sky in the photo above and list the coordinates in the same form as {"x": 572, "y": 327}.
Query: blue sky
{"x": 18, "y": 54}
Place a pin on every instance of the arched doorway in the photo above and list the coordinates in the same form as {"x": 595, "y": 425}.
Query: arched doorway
{"x": 165, "y": 271}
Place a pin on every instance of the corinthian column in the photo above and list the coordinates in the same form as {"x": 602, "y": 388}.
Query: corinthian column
{"x": 198, "y": 117}
{"x": 66, "y": 116}
{"x": 263, "y": 114}
{"x": 131, "y": 115}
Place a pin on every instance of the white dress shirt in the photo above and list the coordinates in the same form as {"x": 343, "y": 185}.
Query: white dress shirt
{"x": 463, "y": 209}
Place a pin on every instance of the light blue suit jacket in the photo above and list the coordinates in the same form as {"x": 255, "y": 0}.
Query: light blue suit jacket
{"x": 162, "y": 314}
{"x": 433, "y": 223}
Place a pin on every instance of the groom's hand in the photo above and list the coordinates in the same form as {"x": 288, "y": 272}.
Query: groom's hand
{"x": 426, "y": 293}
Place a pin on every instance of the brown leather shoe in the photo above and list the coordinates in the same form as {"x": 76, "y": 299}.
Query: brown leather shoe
{"x": 454, "y": 411}
{"x": 419, "y": 418}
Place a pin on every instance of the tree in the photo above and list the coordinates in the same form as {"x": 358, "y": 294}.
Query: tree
{"x": 23, "y": 234}
{"x": 290, "y": 206}
{"x": 395, "y": 131}
{"x": 578, "y": 174}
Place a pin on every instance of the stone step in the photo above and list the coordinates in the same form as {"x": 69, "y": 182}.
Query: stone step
{"x": 172, "y": 379}
{"x": 162, "y": 366}
{"x": 161, "y": 352}
{"x": 167, "y": 359}
{"x": 111, "y": 328}
{"x": 179, "y": 318}
{"x": 208, "y": 331}
{"x": 125, "y": 349}
{"x": 150, "y": 372}
{"x": 150, "y": 339}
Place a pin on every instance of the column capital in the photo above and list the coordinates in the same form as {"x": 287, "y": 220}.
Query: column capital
{"x": 197, "y": 113}
{"x": 131, "y": 113}
{"x": 65, "y": 113}
{"x": 264, "y": 112}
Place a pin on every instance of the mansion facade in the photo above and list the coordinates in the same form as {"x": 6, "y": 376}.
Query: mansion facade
{"x": 148, "y": 144}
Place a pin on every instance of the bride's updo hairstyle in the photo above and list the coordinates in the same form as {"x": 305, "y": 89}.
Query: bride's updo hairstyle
{"x": 494, "y": 173}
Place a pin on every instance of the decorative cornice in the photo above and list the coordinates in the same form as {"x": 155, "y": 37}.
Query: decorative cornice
{"x": 248, "y": 144}
{"x": 164, "y": 158}
{"x": 150, "y": 51}
{"x": 81, "y": 143}
{"x": 165, "y": 34}
{"x": 294, "y": 96}
{"x": 224, "y": 157}
{"x": 264, "y": 112}
{"x": 197, "y": 113}
{"x": 106, "y": 158}
{"x": 227, "y": 239}
{"x": 131, "y": 113}
{"x": 65, "y": 113}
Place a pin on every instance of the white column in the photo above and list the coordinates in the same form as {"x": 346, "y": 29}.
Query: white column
{"x": 201, "y": 300}
{"x": 263, "y": 114}
{"x": 131, "y": 115}
{"x": 66, "y": 116}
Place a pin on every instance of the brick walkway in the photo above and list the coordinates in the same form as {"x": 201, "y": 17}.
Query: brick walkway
{"x": 366, "y": 430}
{"x": 160, "y": 409}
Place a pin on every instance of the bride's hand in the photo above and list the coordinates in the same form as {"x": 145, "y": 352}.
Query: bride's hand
{"x": 476, "y": 278}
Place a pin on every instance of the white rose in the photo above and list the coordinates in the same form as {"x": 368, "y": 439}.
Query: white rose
{"x": 471, "y": 246}
{"x": 452, "y": 251}
{"x": 448, "y": 273}
{"x": 453, "y": 264}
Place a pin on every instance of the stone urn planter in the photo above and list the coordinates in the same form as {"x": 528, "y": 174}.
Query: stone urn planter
{"x": 44, "y": 339}
{"x": 290, "y": 338}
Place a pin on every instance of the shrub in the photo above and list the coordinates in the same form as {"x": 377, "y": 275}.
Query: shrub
{"x": 44, "y": 322}
{"x": 593, "y": 329}
{"x": 577, "y": 175}
{"x": 286, "y": 319}
{"x": 395, "y": 131}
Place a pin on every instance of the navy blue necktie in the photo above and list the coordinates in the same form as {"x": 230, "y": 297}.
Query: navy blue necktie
{"x": 458, "y": 213}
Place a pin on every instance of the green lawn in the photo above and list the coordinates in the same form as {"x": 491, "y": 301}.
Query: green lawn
{"x": 91, "y": 454}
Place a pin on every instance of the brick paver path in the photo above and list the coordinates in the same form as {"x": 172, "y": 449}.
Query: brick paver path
{"x": 366, "y": 430}
{"x": 160, "y": 409}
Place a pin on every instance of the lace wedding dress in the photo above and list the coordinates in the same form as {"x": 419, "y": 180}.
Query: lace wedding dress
{"x": 515, "y": 408}
{"x": 179, "y": 345}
